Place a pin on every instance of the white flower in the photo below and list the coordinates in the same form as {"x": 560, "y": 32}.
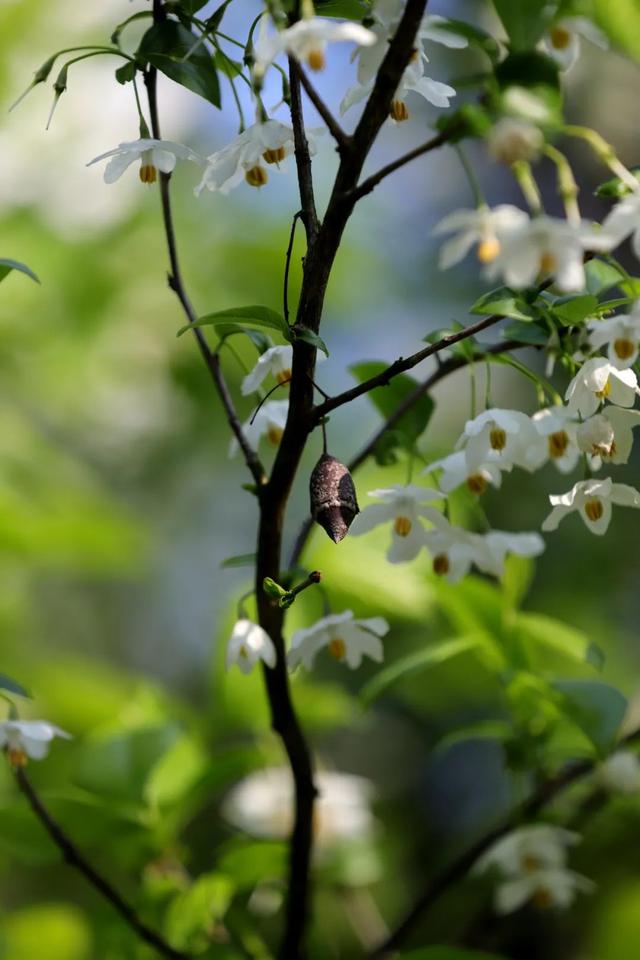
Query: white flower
{"x": 598, "y": 380}
{"x": 562, "y": 40}
{"x": 545, "y": 246}
{"x": 275, "y": 361}
{"x": 498, "y": 436}
{"x": 242, "y": 159}
{"x": 434, "y": 29}
{"x": 347, "y": 640}
{"x": 593, "y": 499}
{"x": 453, "y": 550}
{"x": 620, "y": 773}
{"x": 622, "y": 336}
{"x": 624, "y": 221}
{"x": 262, "y": 805}
{"x": 153, "y": 155}
{"x": 456, "y": 471}
{"x": 608, "y": 436}
{"x": 494, "y": 546}
{"x": 28, "y": 738}
{"x": 490, "y": 228}
{"x": 549, "y": 887}
{"x": 248, "y": 644}
{"x": 269, "y": 421}
{"x": 528, "y": 848}
{"x": 413, "y": 80}
{"x": 307, "y": 40}
{"x": 512, "y": 139}
{"x": 557, "y": 429}
{"x": 401, "y": 506}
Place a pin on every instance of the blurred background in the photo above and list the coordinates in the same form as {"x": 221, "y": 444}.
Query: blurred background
{"x": 119, "y": 505}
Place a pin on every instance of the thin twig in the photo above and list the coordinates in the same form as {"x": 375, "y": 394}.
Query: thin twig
{"x": 287, "y": 265}
{"x": 75, "y": 859}
{"x": 372, "y": 182}
{"x": 342, "y": 139}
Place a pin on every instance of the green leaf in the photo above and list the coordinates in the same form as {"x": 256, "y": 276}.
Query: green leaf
{"x": 117, "y": 767}
{"x": 601, "y": 276}
{"x": 230, "y": 68}
{"x": 343, "y": 9}
{"x": 387, "y": 400}
{"x": 516, "y": 579}
{"x": 6, "y": 266}
{"x": 448, "y": 953}
{"x": 126, "y": 72}
{"x": 191, "y": 914}
{"x": 241, "y": 560}
{"x": 615, "y": 187}
{"x": 526, "y": 332}
{"x": 192, "y": 6}
{"x": 597, "y": 708}
{"x": 166, "y": 45}
{"x": 484, "y": 730}
{"x": 506, "y": 303}
{"x": 301, "y": 333}
{"x": 571, "y": 311}
{"x": 12, "y": 686}
{"x": 416, "y": 663}
{"x": 475, "y": 36}
{"x": 620, "y": 20}
{"x": 524, "y": 21}
{"x": 542, "y": 631}
{"x": 256, "y": 315}
{"x": 260, "y": 341}
{"x": 250, "y": 863}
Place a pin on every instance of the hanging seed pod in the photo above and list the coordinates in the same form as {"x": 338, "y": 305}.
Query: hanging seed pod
{"x": 333, "y": 497}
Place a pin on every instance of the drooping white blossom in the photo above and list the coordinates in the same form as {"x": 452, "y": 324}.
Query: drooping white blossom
{"x": 275, "y": 361}
{"x": 268, "y": 422}
{"x": 24, "y": 739}
{"x": 267, "y": 142}
{"x": 413, "y": 80}
{"x": 402, "y": 506}
{"x": 348, "y": 640}
{"x": 248, "y": 644}
{"x": 551, "y": 887}
{"x": 624, "y": 221}
{"x": 608, "y": 436}
{"x": 453, "y": 550}
{"x": 307, "y": 41}
{"x": 598, "y": 380}
{"x": 562, "y": 39}
{"x": 499, "y": 436}
{"x": 557, "y": 427}
{"x": 153, "y": 155}
{"x": 495, "y": 545}
{"x": 512, "y": 139}
{"x": 456, "y": 471}
{"x": 620, "y": 773}
{"x": 262, "y": 805}
{"x": 488, "y": 227}
{"x": 620, "y": 334}
{"x": 593, "y": 500}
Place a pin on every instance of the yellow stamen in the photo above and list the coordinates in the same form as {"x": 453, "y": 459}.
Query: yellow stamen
{"x": 488, "y": 250}
{"x": 542, "y": 898}
{"x": 560, "y": 38}
{"x": 558, "y": 443}
{"x": 274, "y": 156}
{"x": 498, "y": 439}
{"x": 530, "y": 863}
{"x": 337, "y": 648}
{"x": 402, "y": 526}
{"x": 283, "y": 376}
{"x": 274, "y": 435}
{"x": 547, "y": 262}
{"x": 257, "y": 176}
{"x": 477, "y": 483}
{"x": 316, "y": 60}
{"x": 398, "y": 111}
{"x": 148, "y": 173}
{"x": 441, "y": 564}
{"x": 242, "y": 652}
{"x": 17, "y": 757}
{"x": 624, "y": 348}
{"x": 594, "y": 509}
{"x": 606, "y": 390}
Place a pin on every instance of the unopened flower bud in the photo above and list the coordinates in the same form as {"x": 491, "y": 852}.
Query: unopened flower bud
{"x": 333, "y": 497}
{"x": 511, "y": 140}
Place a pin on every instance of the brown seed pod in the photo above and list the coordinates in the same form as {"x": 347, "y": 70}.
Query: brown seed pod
{"x": 333, "y": 497}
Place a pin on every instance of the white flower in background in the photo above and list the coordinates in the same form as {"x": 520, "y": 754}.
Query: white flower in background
{"x": 456, "y": 471}
{"x": 557, "y": 428}
{"x": 307, "y": 41}
{"x": 401, "y": 506}
{"x": 547, "y": 888}
{"x": 512, "y": 139}
{"x": 593, "y": 499}
{"x": 413, "y": 80}
{"x": 275, "y": 361}
{"x": 548, "y": 247}
{"x": 620, "y": 334}
{"x": 453, "y": 549}
{"x": 28, "y": 738}
{"x": 347, "y": 640}
{"x": 244, "y": 158}
{"x": 562, "y": 39}
{"x": 494, "y": 546}
{"x": 598, "y": 380}
{"x": 620, "y": 773}
{"x": 528, "y": 848}
{"x": 608, "y": 436}
{"x": 262, "y": 805}
{"x": 153, "y": 155}
{"x": 269, "y": 422}
{"x": 498, "y": 436}
{"x": 437, "y": 29}
{"x": 488, "y": 227}
{"x": 624, "y": 221}
{"x": 248, "y": 644}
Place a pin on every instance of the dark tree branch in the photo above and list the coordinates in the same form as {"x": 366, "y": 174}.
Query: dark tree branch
{"x": 75, "y": 859}
{"x": 287, "y": 265}
{"x": 342, "y": 139}
{"x": 303, "y": 157}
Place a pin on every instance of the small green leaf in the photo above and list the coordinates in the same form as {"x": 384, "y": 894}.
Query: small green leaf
{"x": 256, "y": 315}
{"x": 597, "y": 708}
{"x": 448, "y": 953}
{"x": 12, "y": 686}
{"x": 191, "y": 914}
{"x": 241, "y": 560}
{"x": 571, "y": 311}
{"x": 416, "y": 663}
{"x": 540, "y": 630}
{"x": 387, "y": 400}
{"x": 601, "y": 276}
{"x": 273, "y": 589}
{"x": 251, "y": 863}
{"x": 615, "y": 187}
{"x": 230, "y": 68}
{"x": 524, "y": 20}
{"x": 191, "y": 6}
{"x": 483, "y": 730}
{"x": 301, "y": 333}
{"x": 343, "y": 9}
{"x": 621, "y": 22}
{"x": 260, "y": 341}
{"x": 526, "y": 332}
{"x": 169, "y": 46}
{"x": 504, "y": 302}
{"x": 6, "y": 266}
{"x": 126, "y": 72}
